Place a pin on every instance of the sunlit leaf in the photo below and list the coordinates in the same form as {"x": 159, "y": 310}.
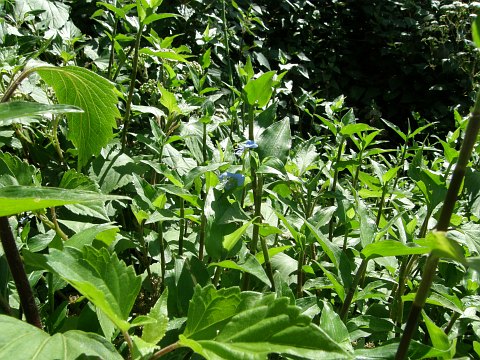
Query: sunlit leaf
{"x": 22, "y": 341}
{"x": 96, "y": 96}
{"x": 101, "y": 277}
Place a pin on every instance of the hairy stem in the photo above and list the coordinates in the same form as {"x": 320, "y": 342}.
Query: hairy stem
{"x": 25, "y": 292}
{"x": 471, "y": 133}
{"x": 351, "y": 292}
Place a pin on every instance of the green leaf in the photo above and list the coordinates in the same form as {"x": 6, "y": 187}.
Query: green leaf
{"x": 267, "y": 326}
{"x": 260, "y": 90}
{"x": 333, "y": 325}
{"x": 20, "y": 109}
{"x": 101, "y": 277}
{"x": 22, "y": 341}
{"x": 275, "y": 141}
{"x": 442, "y": 246}
{"x": 14, "y": 171}
{"x": 165, "y": 54}
{"x": 392, "y": 248}
{"x": 250, "y": 265}
{"x": 476, "y": 31}
{"x": 153, "y": 333}
{"x": 87, "y": 236}
{"x": 18, "y": 199}
{"x": 439, "y": 339}
{"x": 230, "y": 240}
{"x": 209, "y": 309}
{"x": 93, "y": 129}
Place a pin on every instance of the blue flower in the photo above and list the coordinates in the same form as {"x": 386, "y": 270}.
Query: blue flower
{"x": 231, "y": 180}
{"x": 249, "y": 144}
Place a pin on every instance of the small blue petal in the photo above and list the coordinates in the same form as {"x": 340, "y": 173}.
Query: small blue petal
{"x": 250, "y": 144}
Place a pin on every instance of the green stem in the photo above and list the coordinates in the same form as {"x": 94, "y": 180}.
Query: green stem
{"x": 216, "y": 276}
{"x": 334, "y": 185}
{"x": 203, "y": 225}
{"x": 182, "y": 227}
{"x": 16, "y": 83}
{"x": 112, "y": 48}
{"x": 163, "y": 266}
{"x": 165, "y": 350}
{"x": 351, "y": 292}
{"x": 301, "y": 261}
{"x": 471, "y": 133}
{"x": 128, "y": 105}
{"x": 56, "y": 143}
{"x": 25, "y": 292}
{"x": 204, "y": 142}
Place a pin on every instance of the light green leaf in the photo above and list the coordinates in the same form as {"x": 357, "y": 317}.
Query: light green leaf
{"x": 476, "y": 31}
{"x": 275, "y": 141}
{"x": 87, "y": 236}
{"x": 153, "y": 333}
{"x": 268, "y": 326}
{"x": 260, "y": 90}
{"x": 165, "y": 54}
{"x": 392, "y": 248}
{"x": 209, "y": 309}
{"x": 250, "y": 265}
{"x": 93, "y": 129}
{"x": 333, "y": 325}
{"x": 439, "y": 339}
{"x": 230, "y": 240}
{"x": 20, "y": 109}
{"x": 442, "y": 246}
{"x": 101, "y": 277}
{"x": 17, "y": 199}
{"x": 22, "y": 341}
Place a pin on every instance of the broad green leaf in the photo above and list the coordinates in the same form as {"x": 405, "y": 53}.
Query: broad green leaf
{"x": 169, "y": 101}
{"x": 250, "y": 265}
{"x": 367, "y": 224}
{"x": 333, "y": 325}
{"x": 260, "y": 90}
{"x": 271, "y": 326}
{"x": 22, "y": 341}
{"x": 18, "y": 199}
{"x": 92, "y": 129}
{"x": 101, "y": 277}
{"x": 442, "y": 246}
{"x": 209, "y": 310}
{"x": 392, "y": 248}
{"x": 53, "y": 14}
{"x": 87, "y": 236}
{"x": 20, "y": 109}
{"x": 439, "y": 338}
{"x": 275, "y": 141}
{"x": 75, "y": 180}
{"x": 155, "y": 17}
{"x": 165, "y": 54}
{"x": 14, "y": 171}
{"x": 153, "y": 333}
{"x": 230, "y": 240}
{"x": 351, "y": 129}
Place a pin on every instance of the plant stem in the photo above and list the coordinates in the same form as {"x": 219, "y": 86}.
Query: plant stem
{"x": 301, "y": 260}
{"x": 351, "y": 292}
{"x": 25, "y": 292}
{"x": 128, "y": 340}
{"x": 468, "y": 144}
{"x": 128, "y": 105}
{"x": 162, "y": 256}
{"x": 334, "y": 185}
{"x": 182, "y": 227}
{"x": 165, "y": 350}
{"x": 112, "y": 48}
{"x": 14, "y": 85}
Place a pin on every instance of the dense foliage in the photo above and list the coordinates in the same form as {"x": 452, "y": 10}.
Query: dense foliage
{"x": 237, "y": 180}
